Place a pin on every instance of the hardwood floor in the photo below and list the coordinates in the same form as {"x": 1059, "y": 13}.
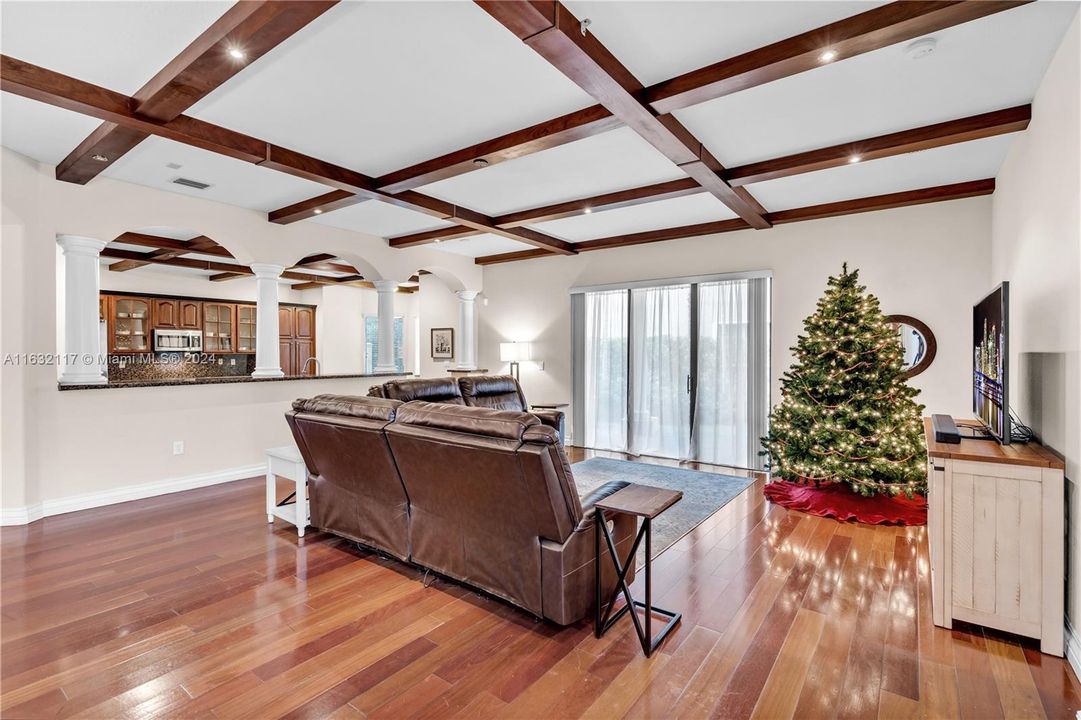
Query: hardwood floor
{"x": 191, "y": 606}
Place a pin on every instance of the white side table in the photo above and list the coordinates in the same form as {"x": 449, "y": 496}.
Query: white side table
{"x": 287, "y": 462}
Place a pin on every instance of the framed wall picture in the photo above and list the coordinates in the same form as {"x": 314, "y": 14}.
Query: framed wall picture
{"x": 442, "y": 343}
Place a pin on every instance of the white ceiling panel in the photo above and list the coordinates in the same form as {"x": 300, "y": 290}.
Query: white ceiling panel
{"x": 118, "y": 45}
{"x": 974, "y": 160}
{"x": 988, "y": 64}
{"x": 380, "y": 86}
{"x": 379, "y": 218}
{"x": 689, "y": 210}
{"x": 615, "y": 160}
{"x": 232, "y": 181}
{"x": 660, "y": 40}
{"x": 39, "y": 131}
{"x": 480, "y": 245}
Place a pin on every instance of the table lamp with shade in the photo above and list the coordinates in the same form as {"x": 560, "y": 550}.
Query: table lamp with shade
{"x": 515, "y": 353}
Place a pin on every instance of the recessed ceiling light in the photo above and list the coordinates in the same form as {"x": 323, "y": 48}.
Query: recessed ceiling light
{"x": 588, "y": 210}
{"x": 827, "y": 56}
{"x": 173, "y": 166}
{"x": 480, "y": 162}
{"x": 236, "y": 53}
{"x": 854, "y": 158}
{"x": 318, "y": 211}
{"x": 99, "y": 157}
{"x": 438, "y": 240}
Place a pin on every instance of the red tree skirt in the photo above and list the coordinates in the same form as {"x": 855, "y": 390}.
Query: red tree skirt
{"x": 837, "y": 500}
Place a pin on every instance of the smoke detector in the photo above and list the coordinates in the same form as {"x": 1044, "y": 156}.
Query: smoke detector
{"x": 920, "y": 49}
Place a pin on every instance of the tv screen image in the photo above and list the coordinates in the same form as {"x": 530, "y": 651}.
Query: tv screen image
{"x": 990, "y": 362}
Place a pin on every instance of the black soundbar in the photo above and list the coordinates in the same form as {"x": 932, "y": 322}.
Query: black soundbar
{"x": 945, "y": 429}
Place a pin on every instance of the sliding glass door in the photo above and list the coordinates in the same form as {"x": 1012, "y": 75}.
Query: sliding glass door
{"x": 677, "y": 369}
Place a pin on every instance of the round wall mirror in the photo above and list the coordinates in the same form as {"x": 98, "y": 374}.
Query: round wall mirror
{"x": 918, "y": 341}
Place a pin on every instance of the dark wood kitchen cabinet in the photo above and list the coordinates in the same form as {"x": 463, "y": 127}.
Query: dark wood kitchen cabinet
{"x": 190, "y": 315}
{"x": 296, "y": 339}
{"x": 176, "y": 314}
{"x": 219, "y": 328}
{"x": 245, "y": 328}
{"x": 129, "y": 323}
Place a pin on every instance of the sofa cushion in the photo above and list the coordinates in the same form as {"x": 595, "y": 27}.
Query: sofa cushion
{"x": 349, "y": 405}
{"x": 505, "y": 424}
{"x": 439, "y": 390}
{"x": 501, "y": 392}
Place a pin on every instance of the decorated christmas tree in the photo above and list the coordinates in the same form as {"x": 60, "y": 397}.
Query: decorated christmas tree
{"x": 846, "y": 413}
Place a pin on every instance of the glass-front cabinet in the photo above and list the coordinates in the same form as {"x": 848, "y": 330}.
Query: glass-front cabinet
{"x": 245, "y": 328}
{"x": 218, "y": 328}
{"x": 130, "y": 325}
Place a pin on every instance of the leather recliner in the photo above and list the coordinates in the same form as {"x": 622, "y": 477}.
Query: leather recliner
{"x": 502, "y": 392}
{"x": 354, "y": 488}
{"x": 491, "y": 500}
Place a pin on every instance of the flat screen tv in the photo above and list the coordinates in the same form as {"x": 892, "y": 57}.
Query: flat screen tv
{"x": 991, "y": 362}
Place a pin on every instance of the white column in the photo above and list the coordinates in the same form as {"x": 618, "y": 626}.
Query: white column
{"x": 267, "y": 354}
{"x": 467, "y": 328}
{"x": 82, "y": 337}
{"x": 386, "y": 289}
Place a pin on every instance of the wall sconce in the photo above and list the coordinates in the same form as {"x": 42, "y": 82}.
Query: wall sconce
{"x": 515, "y": 353}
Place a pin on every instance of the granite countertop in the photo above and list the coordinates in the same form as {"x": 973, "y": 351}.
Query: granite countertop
{"x": 164, "y": 382}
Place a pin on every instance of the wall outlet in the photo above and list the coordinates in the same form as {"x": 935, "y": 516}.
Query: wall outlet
{"x": 232, "y": 361}
{"x": 178, "y": 447}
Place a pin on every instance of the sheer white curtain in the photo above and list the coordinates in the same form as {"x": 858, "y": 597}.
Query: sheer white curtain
{"x": 720, "y": 417}
{"x": 605, "y": 371}
{"x": 661, "y": 367}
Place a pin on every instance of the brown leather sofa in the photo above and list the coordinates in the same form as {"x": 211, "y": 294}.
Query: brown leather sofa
{"x": 502, "y": 392}
{"x": 483, "y": 496}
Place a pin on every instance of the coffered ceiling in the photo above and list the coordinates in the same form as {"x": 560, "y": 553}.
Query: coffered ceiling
{"x": 498, "y": 128}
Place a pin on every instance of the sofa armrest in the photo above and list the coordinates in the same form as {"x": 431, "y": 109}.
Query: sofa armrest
{"x": 596, "y": 495}
{"x": 553, "y": 419}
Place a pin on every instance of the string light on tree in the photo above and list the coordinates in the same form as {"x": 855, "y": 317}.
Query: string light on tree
{"x": 846, "y": 413}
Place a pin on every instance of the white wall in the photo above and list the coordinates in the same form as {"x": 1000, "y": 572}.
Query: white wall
{"x": 1036, "y": 246}
{"x": 928, "y": 261}
{"x": 57, "y": 445}
{"x": 438, "y": 309}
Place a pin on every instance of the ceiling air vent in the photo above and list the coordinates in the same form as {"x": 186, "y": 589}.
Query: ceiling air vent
{"x": 188, "y": 182}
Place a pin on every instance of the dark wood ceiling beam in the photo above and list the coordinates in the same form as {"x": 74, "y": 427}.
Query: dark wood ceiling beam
{"x": 431, "y": 236}
{"x": 253, "y": 27}
{"x": 37, "y": 83}
{"x": 556, "y": 35}
{"x": 557, "y": 211}
{"x": 871, "y": 30}
{"x": 222, "y": 277}
{"x": 600, "y": 203}
{"x": 577, "y": 125}
{"x": 975, "y": 127}
{"x": 201, "y": 244}
{"x": 939, "y": 193}
{"x": 193, "y": 246}
{"x": 327, "y": 202}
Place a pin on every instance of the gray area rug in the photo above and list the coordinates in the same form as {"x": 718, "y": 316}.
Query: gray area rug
{"x": 703, "y": 493}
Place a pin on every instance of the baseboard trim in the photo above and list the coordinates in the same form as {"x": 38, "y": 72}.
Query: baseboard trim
{"x": 85, "y": 501}
{"x": 1073, "y": 649}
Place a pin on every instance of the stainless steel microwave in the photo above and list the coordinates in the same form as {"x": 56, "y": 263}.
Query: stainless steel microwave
{"x": 178, "y": 341}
